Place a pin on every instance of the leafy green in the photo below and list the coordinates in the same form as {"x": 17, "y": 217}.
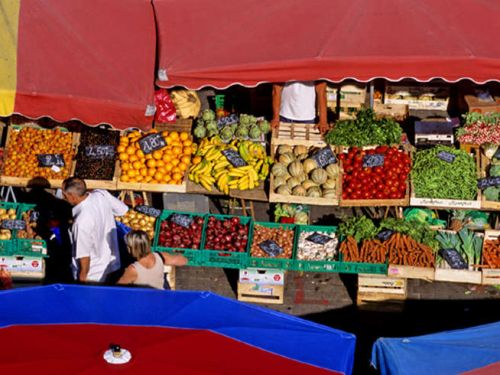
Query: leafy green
{"x": 466, "y": 242}
{"x": 419, "y": 231}
{"x": 436, "y": 178}
{"x": 365, "y": 130}
{"x": 492, "y": 193}
{"x": 361, "y": 228}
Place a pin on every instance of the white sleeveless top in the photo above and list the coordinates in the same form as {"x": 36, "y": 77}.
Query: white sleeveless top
{"x": 298, "y": 101}
{"x": 153, "y": 276}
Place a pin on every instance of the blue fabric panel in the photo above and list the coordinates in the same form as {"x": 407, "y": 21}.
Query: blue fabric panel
{"x": 273, "y": 331}
{"x": 442, "y": 353}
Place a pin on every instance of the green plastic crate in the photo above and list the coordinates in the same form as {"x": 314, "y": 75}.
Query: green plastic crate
{"x": 358, "y": 267}
{"x": 164, "y": 216}
{"x": 6, "y": 247}
{"x": 194, "y": 257}
{"x": 314, "y": 265}
{"x": 269, "y": 262}
{"x": 227, "y": 259}
{"x": 30, "y": 247}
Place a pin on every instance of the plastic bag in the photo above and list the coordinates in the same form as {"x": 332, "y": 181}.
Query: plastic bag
{"x": 165, "y": 108}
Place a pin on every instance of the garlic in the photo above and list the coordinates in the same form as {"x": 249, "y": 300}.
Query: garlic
{"x": 308, "y": 250}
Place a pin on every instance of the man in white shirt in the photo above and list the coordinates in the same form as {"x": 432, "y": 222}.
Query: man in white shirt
{"x": 95, "y": 242}
{"x": 299, "y": 102}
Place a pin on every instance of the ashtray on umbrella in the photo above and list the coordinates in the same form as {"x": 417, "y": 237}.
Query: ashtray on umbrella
{"x": 116, "y": 355}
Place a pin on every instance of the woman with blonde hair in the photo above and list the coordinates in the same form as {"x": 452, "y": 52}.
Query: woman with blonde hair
{"x": 147, "y": 270}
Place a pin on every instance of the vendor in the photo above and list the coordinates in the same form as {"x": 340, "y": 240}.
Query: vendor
{"x": 300, "y": 102}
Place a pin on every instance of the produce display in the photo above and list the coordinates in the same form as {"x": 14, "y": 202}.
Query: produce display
{"x": 434, "y": 177}
{"x": 310, "y": 250}
{"x": 226, "y": 234}
{"x": 491, "y": 253}
{"x": 365, "y": 130}
{"x": 228, "y": 127}
{"x": 211, "y": 166}
{"x": 465, "y": 242}
{"x": 29, "y": 232}
{"x": 296, "y": 172}
{"x": 291, "y": 213}
{"x": 480, "y": 129}
{"x": 492, "y": 193}
{"x": 186, "y": 236}
{"x": 163, "y": 166}
{"x": 25, "y": 145}
{"x": 139, "y": 221}
{"x": 281, "y": 236}
{"x": 6, "y": 214}
{"x": 94, "y": 160}
{"x": 386, "y": 180}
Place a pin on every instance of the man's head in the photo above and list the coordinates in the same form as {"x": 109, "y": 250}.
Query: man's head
{"x": 74, "y": 190}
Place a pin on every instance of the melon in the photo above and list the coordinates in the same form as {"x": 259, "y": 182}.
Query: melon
{"x": 309, "y": 165}
{"x": 332, "y": 170}
{"x": 319, "y": 176}
{"x": 330, "y": 183}
{"x": 279, "y": 169}
{"x": 281, "y": 180}
{"x": 329, "y": 193}
{"x": 283, "y": 149}
{"x": 292, "y": 182}
{"x": 308, "y": 184}
{"x": 284, "y": 190}
{"x": 314, "y": 191}
{"x": 286, "y": 158}
{"x": 299, "y": 190}
{"x": 295, "y": 168}
{"x": 299, "y": 150}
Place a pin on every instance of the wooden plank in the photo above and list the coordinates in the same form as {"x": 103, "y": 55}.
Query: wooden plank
{"x": 170, "y": 271}
{"x": 490, "y": 276}
{"x": 410, "y": 272}
{"x": 180, "y": 125}
{"x": 267, "y": 294}
{"x": 194, "y": 188}
{"x": 257, "y": 194}
{"x": 374, "y": 290}
{"x": 297, "y": 134}
{"x": 396, "y": 111}
{"x": 458, "y": 276}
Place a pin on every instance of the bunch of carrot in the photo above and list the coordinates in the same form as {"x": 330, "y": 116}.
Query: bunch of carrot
{"x": 399, "y": 249}
{"x": 491, "y": 253}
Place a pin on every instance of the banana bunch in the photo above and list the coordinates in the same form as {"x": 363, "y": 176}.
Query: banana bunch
{"x": 215, "y": 169}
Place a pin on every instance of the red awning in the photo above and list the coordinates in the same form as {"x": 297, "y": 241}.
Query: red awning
{"x": 224, "y": 42}
{"x": 91, "y": 60}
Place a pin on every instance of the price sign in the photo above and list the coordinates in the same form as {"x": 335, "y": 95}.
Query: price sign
{"x": 487, "y": 182}
{"x": 50, "y": 160}
{"x": 234, "y": 158}
{"x": 324, "y": 157}
{"x": 14, "y": 224}
{"x": 319, "y": 238}
{"x": 271, "y": 248}
{"x": 152, "y": 142}
{"x": 227, "y": 120}
{"x": 454, "y": 259}
{"x": 373, "y": 160}
{"x": 148, "y": 210}
{"x": 100, "y": 151}
{"x": 446, "y": 156}
{"x": 385, "y": 235}
{"x": 182, "y": 220}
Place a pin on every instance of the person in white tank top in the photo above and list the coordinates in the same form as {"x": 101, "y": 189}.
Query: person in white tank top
{"x": 147, "y": 270}
{"x": 299, "y": 102}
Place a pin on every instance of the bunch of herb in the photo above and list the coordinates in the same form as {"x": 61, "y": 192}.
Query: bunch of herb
{"x": 361, "y": 228}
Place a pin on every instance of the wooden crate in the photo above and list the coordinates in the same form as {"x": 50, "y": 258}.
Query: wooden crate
{"x": 490, "y": 276}
{"x": 487, "y": 205}
{"x": 396, "y": 111}
{"x": 23, "y": 181}
{"x": 373, "y": 290}
{"x": 180, "y": 125}
{"x": 373, "y": 202}
{"x": 260, "y": 293}
{"x": 458, "y": 276}
{"x": 297, "y": 134}
{"x": 410, "y": 272}
{"x": 280, "y": 198}
{"x": 170, "y": 271}
{"x": 480, "y": 106}
{"x": 257, "y": 194}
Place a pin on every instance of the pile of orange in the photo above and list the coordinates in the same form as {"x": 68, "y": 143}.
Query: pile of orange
{"x": 25, "y": 144}
{"x": 164, "y": 166}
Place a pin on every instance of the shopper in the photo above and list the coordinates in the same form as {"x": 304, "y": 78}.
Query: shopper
{"x": 96, "y": 254}
{"x": 300, "y": 102}
{"x": 147, "y": 270}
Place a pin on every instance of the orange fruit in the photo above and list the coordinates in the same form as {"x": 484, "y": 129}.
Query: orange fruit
{"x": 164, "y": 133}
{"x": 136, "y": 165}
{"x": 187, "y": 150}
{"x": 182, "y": 166}
{"x": 166, "y": 179}
{"x": 161, "y": 170}
{"x": 168, "y": 167}
{"x": 125, "y": 166}
{"x": 123, "y": 156}
{"x": 131, "y": 173}
{"x": 121, "y": 148}
{"x": 124, "y": 178}
{"x": 158, "y": 176}
{"x": 187, "y": 143}
{"x": 196, "y": 160}
{"x": 169, "y": 140}
{"x": 148, "y": 178}
{"x": 139, "y": 178}
{"x": 160, "y": 163}
{"x": 186, "y": 159}
{"x": 130, "y": 150}
{"x": 152, "y": 131}
{"x": 174, "y": 135}
{"x": 184, "y": 136}
{"x": 157, "y": 154}
{"x": 177, "y": 150}
{"x": 177, "y": 177}
{"x": 151, "y": 172}
{"x": 132, "y": 158}
{"x": 132, "y": 179}
{"x": 166, "y": 157}
{"x": 139, "y": 154}
{"x": 149, "y": 157}
{"x": 143, "y": 172}
{"x": 174, "y": 162}
{"x": 151, "y": 163}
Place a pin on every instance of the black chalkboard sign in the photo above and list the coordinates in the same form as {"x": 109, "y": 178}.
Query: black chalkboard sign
{"x": 271, "y": 248}
{"x": 34, "y": 215}
{"x": 148, "y": 210}
{"x": 14, "y": 224}
{"x": 50, "y": 160}
{"x": 373, "y": 160}
{"x": 234, "y": 158}
{"x": 324, "y": 157}
{"x": 446, "y": 156}
{"x": 454, "y": 259}
{"x": 152, "y": 142}
{"x": 100, "y": 151}
{"x": 385, "y": 235}
{"x": 227, "y": 120}
{"x": 319, "y": 238}
{"x": 182, "y": 220}
{"x": 487, "y": 182}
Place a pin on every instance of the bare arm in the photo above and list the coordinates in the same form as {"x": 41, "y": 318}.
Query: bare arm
{"x": 84, "y": 268}
{"x": 321, "y": 106}
{"x": 277, "y": 89}
{"x": 174, "y": 260}
{"x": 129, "y": 276}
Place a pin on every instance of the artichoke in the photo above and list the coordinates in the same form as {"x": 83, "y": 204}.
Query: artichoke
{"x": 200, "y": 131}
{"x": 254, "y": 132}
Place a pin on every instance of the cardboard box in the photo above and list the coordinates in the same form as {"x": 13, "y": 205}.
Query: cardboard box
{"x": 260, "y": 293}
{"x": 418, "y": 97}
{"x": 475, "y": 104}
{"x": 262, "y": 277}
{"x": 23, "y": 267}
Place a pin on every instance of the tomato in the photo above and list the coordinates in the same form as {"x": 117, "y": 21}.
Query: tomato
{"x": 378, "y": 169}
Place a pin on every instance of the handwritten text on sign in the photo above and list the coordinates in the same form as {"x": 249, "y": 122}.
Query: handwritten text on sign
{"x": 373, "y": 160}
{"x": 319, "y": 238}
{"x": 324, "y": 157}
{"x": 454, "y": 259}
{"x": 100, "y": 151}
{"x": 234, "y": 158}
{"x": 50, "y": 160}
{"x": 152, "y": 142}
{"x": 487, "y": 182}
{"x": 148, "y": 210}
{"x": 446, "y": 156}
{"x": 14, "y": 224}
{"x": 271, "y": 248}
{"x": 182, "y": 220}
